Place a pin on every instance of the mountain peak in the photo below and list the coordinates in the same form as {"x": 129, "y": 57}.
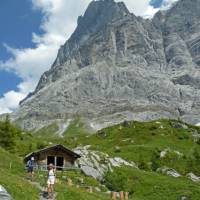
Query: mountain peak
{"x": 98, "y": 14}
{"x": 118, "y": 67}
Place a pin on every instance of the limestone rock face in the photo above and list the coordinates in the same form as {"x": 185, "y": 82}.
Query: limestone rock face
{"x": 96, "y": 164}
{"x": 117, "y": 67}
{"x": 4, "y": 194}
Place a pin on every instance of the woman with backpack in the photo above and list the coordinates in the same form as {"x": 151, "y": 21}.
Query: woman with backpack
{"x": 51, "y": 180}
{"x": 30, "y": 167}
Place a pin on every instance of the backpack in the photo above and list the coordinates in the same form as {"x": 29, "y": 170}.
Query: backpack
{"x": 29, "y": 164}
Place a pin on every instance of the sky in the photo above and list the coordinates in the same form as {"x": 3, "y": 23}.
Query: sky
{"x": 32, "y": 32}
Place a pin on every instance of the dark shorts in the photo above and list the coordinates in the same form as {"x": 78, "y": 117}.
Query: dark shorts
{"x": 30, "y": 169}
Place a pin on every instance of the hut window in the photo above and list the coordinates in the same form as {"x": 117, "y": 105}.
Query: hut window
{"x": 57, "y": 161}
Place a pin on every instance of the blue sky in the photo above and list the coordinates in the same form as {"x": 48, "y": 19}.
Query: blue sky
{"x": 156, "y": 3}
{"x": 18, "y": 21}
{"x": 31, "y": 34}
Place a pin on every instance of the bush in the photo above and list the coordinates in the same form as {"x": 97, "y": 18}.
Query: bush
{"x": 118, "y": 180}
{"x": 152, "y": 128}
{"x": 182, "y": 135}
{"x": 193, "y": 162}
{"x": 155, "y": 160}
{"x": 143, "y": 165}
{"x": 8, "y": 134}
{"x": 198, "y": 141}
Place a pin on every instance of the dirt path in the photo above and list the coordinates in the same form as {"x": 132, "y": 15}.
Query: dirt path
{"x": 43, "y": 194}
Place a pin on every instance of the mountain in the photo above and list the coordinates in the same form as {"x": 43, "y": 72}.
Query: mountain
{"x": 117, "y": 67}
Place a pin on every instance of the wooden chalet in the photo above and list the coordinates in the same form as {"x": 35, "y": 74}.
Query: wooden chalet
{"x": 58, "y": 155}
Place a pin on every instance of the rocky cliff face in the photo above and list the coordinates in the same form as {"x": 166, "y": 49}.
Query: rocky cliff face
{"x": 117, "y": 66}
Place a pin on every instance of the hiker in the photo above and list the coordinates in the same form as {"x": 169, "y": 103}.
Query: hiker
{"x": 30, "y": 168}
{"x": 51, "y": 180}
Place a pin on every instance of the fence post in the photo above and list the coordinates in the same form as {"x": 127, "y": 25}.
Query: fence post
{"x": 90, "y": 189}
{"x": 121, "y": 195}
{"x": 113, "y": 195}
{"x": 69, "y": 182}
{"x": 10, "y": 165}
{"x": 126, "y": 195}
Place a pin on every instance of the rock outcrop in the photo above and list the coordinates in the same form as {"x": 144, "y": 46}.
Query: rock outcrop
{"x": 4, "y": 194}
{"x": 117, "y": 67}
{"x": 96, "y": 164}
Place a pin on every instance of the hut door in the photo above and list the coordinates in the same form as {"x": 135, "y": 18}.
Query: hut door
{"x": 50, "y": 160}
{"x": 60, "y": 162}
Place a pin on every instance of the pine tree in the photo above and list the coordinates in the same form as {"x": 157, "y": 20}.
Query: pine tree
{"x": 8, "y": 134}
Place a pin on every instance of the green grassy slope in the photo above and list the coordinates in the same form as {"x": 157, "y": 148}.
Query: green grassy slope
{"x": 133, "y": 141}
{"x": 13, "y": 173}
{"x": 141, "y": 142}
{"x": 152, "y": 186}
{"x": 14, "y": 180}
{"x": 12, "y": 177}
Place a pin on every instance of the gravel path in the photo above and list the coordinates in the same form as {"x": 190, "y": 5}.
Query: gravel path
{"x": 43, "y": 194}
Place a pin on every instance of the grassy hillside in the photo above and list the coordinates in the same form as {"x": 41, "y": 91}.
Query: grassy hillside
{"x": 140, "y": 142}
{"x": 13, "y": 173}
{"x": 14, "y": 180}
{"x": 152, "y": 186}
{"x": 143, "y": 143}
{"x": 13, "y": 177}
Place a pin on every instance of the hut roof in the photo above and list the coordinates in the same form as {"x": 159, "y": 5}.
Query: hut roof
{"x": 55, "y": 147}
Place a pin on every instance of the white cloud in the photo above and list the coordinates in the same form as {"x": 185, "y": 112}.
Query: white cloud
{"x": 150, "y": 12}
{"x": 10, "y": 101}
{"x": 167, "y": 4}
{"x": 58, "y": 23}
{"x": 141, "y": 8}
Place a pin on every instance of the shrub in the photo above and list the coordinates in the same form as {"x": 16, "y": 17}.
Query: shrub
{"x": 119, "y": 180}
{"x": 8, "y": 134}
{"x": 143, "y": 165}
{"x": 155, "y": 162}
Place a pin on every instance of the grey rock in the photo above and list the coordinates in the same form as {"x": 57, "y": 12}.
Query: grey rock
{"x": 89, "y": 171}
{"x": 118, "y": 67}
{"x": 195, "y": 134}
{"x": 184, "y": 198}
{"x": 179, "y": 125}
{"x": 169, "y": 172}
{"x": 4, "y": 195}
{"x": 96, "y": 163}
{"x": 193, "y": 177}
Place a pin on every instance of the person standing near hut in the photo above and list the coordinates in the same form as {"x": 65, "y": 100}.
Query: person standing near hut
{"x": 30, "y": 168}
{"x": 51, "y": 180}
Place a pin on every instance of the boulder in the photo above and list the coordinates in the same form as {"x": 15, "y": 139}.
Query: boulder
{"x": 4, "y": 195}
{"x": 96, "y": 163}
{"x": 193, "y": 177}
{"x": 169, "y": 172}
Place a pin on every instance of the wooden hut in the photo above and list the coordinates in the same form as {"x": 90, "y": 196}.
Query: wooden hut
{"x": 58, "y": 155}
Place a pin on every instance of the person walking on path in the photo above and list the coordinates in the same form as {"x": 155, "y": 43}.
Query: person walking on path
{"x": 51, "y": 180}
{"x": 30, "y": 168}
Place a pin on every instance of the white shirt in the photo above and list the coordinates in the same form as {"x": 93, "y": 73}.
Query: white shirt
{"x": 51, "y": 173}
